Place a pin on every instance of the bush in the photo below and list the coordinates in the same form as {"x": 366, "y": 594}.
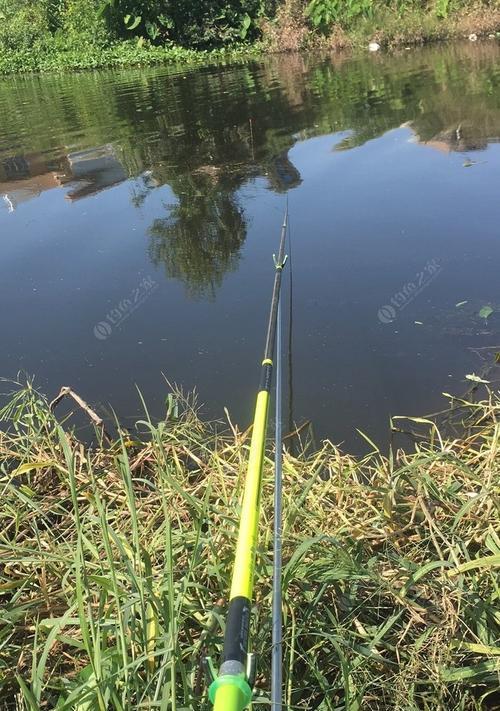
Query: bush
{"x": 81, "y": 20}
{"x": 26, "y": 24}
{"x": 195, "y": 24}
{"x": 22, "y": 24}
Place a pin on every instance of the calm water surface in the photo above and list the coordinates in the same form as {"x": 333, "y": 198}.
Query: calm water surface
{"x": 139, "y": 211}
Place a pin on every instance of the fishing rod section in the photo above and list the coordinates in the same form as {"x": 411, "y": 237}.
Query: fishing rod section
{"x": 232, "y": 688}
{"x": 277, "y": 599}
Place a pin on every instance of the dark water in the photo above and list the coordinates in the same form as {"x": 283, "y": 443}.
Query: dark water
{"x": 139, "y": 211}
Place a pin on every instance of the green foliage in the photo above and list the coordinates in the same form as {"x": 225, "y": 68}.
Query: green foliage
{"x": 24, "y": 24}
{"x": 57, "y": 55}
{"x": 325, "y": 13}
{"x": 47, "y": 24}
{"x": 81, "y": 21}
{"x": 442, "y": 8}
{"x": 322, "y": 14}
{"x": 187, "y": 23}
{"x": 50, "y": 34}
{"x": 56, "y": 34}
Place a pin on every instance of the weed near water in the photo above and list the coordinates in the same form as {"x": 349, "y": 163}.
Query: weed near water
{"x": 116, "y": 559}
{"x": 53, "y": 56}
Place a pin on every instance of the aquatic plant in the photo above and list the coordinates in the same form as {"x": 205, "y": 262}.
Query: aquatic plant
{"x": 115, "y": 559}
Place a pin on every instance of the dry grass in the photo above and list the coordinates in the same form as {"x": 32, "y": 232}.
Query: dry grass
{"x": 115, "y": 561}
{"x": 287, "y": 31}
{"x": 415, "y": 25}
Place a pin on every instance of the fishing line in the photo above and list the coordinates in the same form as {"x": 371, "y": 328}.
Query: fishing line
{"x": 291, "y": 424}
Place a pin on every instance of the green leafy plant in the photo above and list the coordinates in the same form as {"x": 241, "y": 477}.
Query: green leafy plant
{"x": 185, "y": 22}
{"x": 442, "y": 8}
{"x": 132, "y": 22}
{"x": 324, "y": 13}
{"x": 23, "y": 27}
{"x": 245, "y": 25}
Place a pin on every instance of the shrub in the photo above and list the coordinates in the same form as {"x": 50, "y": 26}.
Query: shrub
{"x": 22, "y": 24}
{"x": 197, "y": 24}
{"x": 25, "y": 24}
{"x": 80, "y": 20}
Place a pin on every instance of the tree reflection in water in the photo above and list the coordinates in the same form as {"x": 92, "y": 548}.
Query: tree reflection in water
{"x": 201, "y": 237}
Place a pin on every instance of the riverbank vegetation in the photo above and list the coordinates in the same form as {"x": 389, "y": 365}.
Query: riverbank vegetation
{"x": 116, "y": 560}
{"x": 45, "y": 35}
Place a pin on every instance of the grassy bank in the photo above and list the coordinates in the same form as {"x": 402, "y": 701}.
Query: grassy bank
{"x": 116, "y": 562}
{"x": 391, "y": 25}
{"x": 54, "y": 56}
{"x": 55, "y": 35}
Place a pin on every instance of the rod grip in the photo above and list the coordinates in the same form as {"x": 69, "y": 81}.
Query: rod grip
{"x": 237, "y": 631}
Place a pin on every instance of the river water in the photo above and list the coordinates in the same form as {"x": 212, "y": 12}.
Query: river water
{"x": 139, "y": 211}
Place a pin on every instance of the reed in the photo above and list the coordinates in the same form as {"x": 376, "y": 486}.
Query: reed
{"x": 115, "y": 557}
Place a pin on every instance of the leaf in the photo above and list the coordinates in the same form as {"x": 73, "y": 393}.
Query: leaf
{"x": 492, "y": 542}
{"x": 461, "y": 303}
{"x": 12, "y": 585}
{"x": 103, "y": 7}
{"x": 153, "y": 30}
{"x": 485, "y": 312}
{"x": 245, "y": 25}
{"x": 476, "y": 648}
{"x": 27, "y": 694}
{"x": 51, "y": 622}
{"x": 29, "y": 466}
{"x": 488, "y": 561}
{"x": 165, "y": 22}
{"x": 423, "y": 570}
{"x": 478, "y": 671}
{"x": 151, "y": 634}
{"x": 135, "y": 23}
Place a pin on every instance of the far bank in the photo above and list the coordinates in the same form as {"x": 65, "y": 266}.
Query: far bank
{"x": 28, "y": 44}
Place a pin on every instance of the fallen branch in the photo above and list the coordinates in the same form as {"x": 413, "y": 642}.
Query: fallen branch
{"x": 93, "y": 416}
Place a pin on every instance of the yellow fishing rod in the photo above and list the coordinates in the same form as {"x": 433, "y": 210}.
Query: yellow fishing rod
{"x": 231, "y": 690}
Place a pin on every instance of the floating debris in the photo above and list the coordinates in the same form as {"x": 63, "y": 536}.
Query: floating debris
{"x": 476, "y": 379}
{"x": 485, "y": 312}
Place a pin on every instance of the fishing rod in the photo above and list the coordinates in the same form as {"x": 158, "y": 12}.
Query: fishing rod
{"x": 231, "y": 689}
{"x": 277, "y": 615}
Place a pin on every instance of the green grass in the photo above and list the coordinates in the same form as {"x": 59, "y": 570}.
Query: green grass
{"x": 116, "y": 559}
